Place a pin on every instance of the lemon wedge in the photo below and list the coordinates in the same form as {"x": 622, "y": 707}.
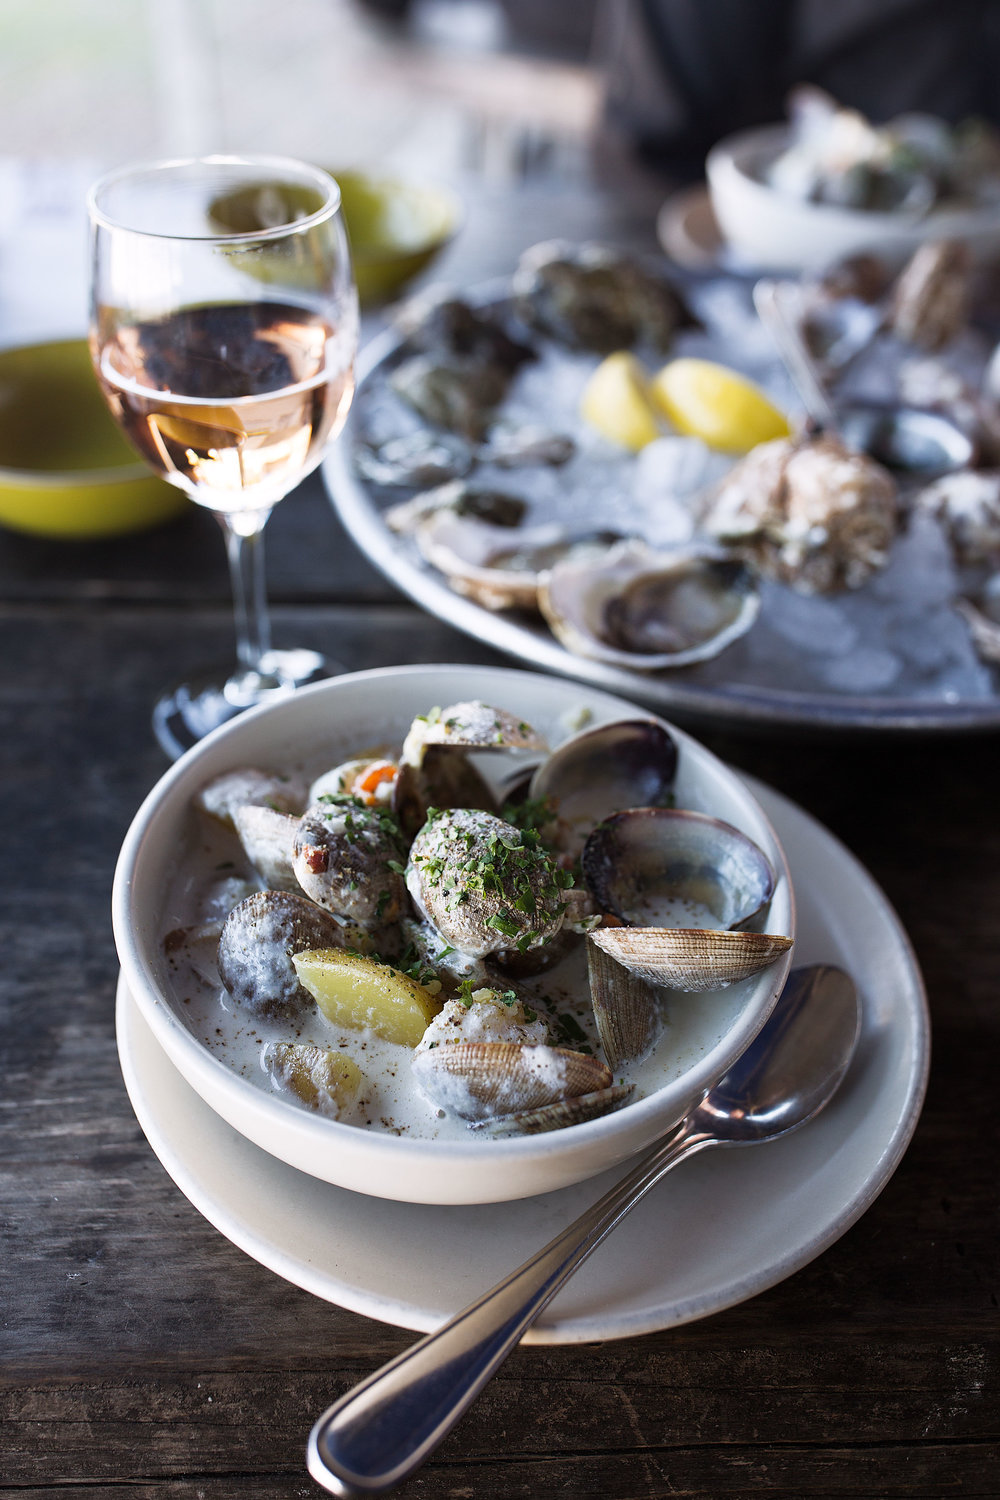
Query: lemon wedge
{"x": 616, "y": 402}
{"x": 708, "y": 401}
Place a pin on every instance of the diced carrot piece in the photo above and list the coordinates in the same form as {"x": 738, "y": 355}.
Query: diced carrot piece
{"x": 372, "y": 777}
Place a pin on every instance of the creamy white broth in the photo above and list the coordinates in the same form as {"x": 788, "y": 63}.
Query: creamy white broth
{"x": 213, "y": 874}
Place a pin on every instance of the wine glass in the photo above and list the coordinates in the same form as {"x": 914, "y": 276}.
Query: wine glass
{"x": 224, "y": 325}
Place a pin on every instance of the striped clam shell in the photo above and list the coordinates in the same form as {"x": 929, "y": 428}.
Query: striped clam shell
{"x": 483, "y": 1080}
{"x": 628, "y": 964}
{"x": 688, "y": 958}
{"x": 644, "y": 856}
{"x": 557, "y": 1116}
{"x": 625, "y": 1008}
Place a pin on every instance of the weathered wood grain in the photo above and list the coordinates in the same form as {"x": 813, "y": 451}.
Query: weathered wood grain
{"x": 143, "y": 1355}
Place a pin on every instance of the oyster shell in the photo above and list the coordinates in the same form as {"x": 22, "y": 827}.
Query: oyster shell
{"x": 931, "y": 300}
{"x": 591, "y": 297}
{"x": 968, "y": 507}
{"x": 458, "y": 397}
{"x": 493, "y": 507}
{"x": 981, "y": 612}
{"x": 648, "y": 611}
{"x": 808, "y": 512}
{"x": 496, "y": 567}
{"x": 418, "y": 459}
{"x": 439, "y": 323}
{"x": 521, "y": 447}
{"x": 464, "y": 364}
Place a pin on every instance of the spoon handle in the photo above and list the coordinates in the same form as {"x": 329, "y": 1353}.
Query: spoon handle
{"x": 770, "y": 300}
{"x": 380, "y": 1432}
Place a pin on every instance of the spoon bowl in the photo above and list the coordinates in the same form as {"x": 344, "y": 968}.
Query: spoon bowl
{"x": 383, "y": 1430}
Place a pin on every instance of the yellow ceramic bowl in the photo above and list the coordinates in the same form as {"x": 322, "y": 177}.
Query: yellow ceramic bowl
{"x": 65, "y": 469}
{"x": 396, "y": 227}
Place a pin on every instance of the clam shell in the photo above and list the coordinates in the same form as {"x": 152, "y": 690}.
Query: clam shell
{"x": 625, "y": 1008}
{"x": 268, "y": 839}
{"x": 481, "y": 1080}
{"x": 646, "y": 863}
{"x": 557, "y": 1116}
{"x": 472, "y": 725}
{"x": 435, "y": 771}
{"x": 600, "y": 771}
{"x": 224, "y": 794}
{"x": 689, "y": 959}
{"x": 649, "y": 611}
{"x": 256, "y": 945}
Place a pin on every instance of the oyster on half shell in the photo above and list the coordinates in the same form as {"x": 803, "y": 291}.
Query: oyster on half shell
{"x": 645, "y": 610}
{"x": 499, "y": 566}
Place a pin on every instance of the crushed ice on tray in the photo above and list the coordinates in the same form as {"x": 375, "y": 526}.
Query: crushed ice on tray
{"x": 899, "y": 635}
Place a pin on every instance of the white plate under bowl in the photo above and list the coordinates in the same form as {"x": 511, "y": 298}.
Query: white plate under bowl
{"x": 723, "y": 1227}
{"x": 318, "y": 727}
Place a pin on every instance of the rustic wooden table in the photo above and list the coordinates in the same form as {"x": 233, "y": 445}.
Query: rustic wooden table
{"x": 144, "y": 1355}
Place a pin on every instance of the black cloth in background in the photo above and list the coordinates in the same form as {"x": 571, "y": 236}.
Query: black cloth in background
{"x": 681, "y": 74}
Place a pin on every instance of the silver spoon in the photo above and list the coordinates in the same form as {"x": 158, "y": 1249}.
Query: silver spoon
{"x": 908, "y": 439}
{"x": 379, "y": 1433}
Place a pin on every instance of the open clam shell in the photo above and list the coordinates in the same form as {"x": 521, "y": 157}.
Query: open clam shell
{"x": 694, "y": 960}
{"x": 435, "y": 768}
{"x": 484, "y": 1080}
{"x": 268, "y": 839}
{"x": 662, "y": 867}
{"x": 557, "y": 1116}
{"x": 625, "y": 1008}
{"x": 600, "y": 771}
{"x": 649, "y": 611}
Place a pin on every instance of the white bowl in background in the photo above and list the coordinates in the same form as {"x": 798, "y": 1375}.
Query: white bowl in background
{"x": 774, "y": 231}
{"x": 317, "y": 727}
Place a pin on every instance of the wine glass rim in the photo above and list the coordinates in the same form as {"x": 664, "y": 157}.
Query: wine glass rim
{"x": 265, "y": 162}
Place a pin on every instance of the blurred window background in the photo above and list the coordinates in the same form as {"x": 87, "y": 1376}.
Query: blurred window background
{"x": 498, "y": 86}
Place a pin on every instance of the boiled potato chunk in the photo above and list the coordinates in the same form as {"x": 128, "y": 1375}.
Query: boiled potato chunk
{"x": 355, "y": 991}
{"x": 324, "y": 1080}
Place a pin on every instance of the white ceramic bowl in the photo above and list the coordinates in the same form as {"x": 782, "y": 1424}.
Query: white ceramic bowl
{"x": 773, "y": 231}
{"x": 317, "y": 727}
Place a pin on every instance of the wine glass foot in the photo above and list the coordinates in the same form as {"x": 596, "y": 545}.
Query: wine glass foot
{"x": 189, "y": 711}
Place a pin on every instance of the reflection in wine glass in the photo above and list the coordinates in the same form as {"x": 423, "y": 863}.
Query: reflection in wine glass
{"x": 225, "y": 349}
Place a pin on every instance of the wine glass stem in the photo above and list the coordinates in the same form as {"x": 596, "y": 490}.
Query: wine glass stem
{"x": 244, "y": 534}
